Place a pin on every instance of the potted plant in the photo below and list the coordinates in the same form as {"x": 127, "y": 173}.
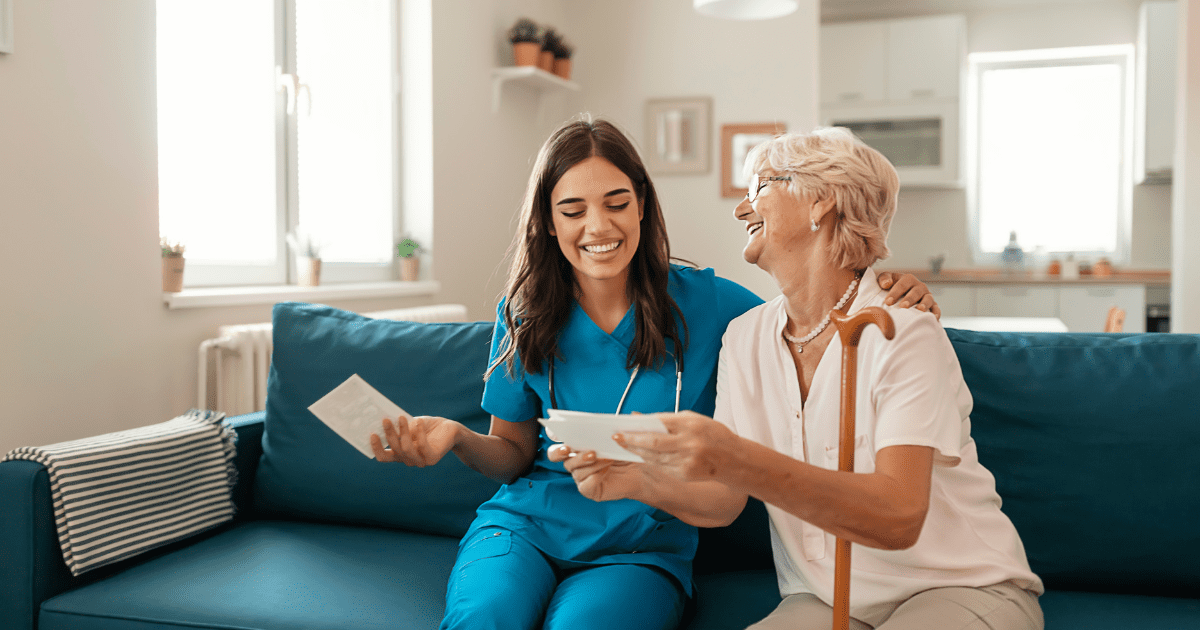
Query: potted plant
{"x": 172, "y": 265}
{"x": 550, "y": 40}
{"x": 410, "y": 264}
{"x": 527, "y": 42}
{"x": 562, "y": 59}
{"x": 308, "y": 257}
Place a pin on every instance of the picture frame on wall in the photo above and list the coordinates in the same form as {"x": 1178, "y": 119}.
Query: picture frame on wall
{"x": 6, "y": 26}
{"x": 677, "y": 135}
{"x": 736, "y": 142}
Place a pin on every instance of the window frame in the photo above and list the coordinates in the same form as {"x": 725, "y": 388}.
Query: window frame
{"x": 1120, "y": 55}
{"x": 283, "y": 270}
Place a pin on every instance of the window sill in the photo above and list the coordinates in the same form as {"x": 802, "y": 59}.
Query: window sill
{"x": 239, "y": 296}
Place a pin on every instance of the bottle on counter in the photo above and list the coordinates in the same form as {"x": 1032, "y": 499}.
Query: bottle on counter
{"x": 1070, "y": 268}
{"x": 1013, "y": 257}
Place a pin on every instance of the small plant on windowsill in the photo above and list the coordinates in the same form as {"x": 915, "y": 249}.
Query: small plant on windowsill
{"x": 308, "y": 257}
{"x": 172, "y": 264}
{"x": 410, "y": 264}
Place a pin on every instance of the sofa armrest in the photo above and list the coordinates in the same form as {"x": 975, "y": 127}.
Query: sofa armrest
{"x": 249, "y": 429}
{"x": 32, "y": 569}
{"x": 31, "y": 563}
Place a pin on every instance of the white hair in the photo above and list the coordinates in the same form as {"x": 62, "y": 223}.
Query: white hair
{"x": 831, "y": 163}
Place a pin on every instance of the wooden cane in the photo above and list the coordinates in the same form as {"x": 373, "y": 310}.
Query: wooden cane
{"x": 850, "y": 330}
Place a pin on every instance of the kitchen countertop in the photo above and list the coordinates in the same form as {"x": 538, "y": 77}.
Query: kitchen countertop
{"x": 998, "y": 276}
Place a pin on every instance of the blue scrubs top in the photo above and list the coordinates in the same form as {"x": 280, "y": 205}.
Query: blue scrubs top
{"x": 545, "y": 506}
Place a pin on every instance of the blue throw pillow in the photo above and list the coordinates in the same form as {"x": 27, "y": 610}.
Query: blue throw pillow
{"x": 1093, "y": 440}
{"x": 307, "y": 472}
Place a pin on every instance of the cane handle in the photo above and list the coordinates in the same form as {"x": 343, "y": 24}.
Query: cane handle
{"x": 850, "y": 330}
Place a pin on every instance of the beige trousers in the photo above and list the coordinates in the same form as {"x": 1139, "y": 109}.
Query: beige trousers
{"x": 1002, "y": 606}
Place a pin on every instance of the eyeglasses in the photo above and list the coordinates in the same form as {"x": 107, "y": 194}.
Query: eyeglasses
{"x": 758, "y": 182}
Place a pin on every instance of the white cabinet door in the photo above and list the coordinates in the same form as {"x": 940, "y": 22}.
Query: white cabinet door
{"x": 853, "y": 63}
{"x": 1155, "y": 150}
{"x": 925, "y": 57}
{"x": 1085, "y": 309}
{"x": 954, "y": 300}
{"x": 1016, "y": 301}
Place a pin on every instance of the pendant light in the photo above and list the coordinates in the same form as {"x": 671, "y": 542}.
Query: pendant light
{"x": 745, "y": 9}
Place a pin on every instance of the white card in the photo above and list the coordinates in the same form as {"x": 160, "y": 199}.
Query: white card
{"x": 584, "y": 431}
{"x": 355, "y": 410}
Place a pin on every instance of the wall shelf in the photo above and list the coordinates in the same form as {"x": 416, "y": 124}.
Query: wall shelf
{"x": 531, "y": 77}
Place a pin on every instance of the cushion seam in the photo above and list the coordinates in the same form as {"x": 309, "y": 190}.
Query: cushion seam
{"x": 178, "y": 624}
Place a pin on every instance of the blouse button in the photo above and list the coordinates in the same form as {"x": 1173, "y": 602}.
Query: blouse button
{"x": 530, "y": 484}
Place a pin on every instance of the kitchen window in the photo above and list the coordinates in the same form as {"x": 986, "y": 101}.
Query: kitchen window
{"x": 1049, "y": 152}
{"x": 274, "y": 114}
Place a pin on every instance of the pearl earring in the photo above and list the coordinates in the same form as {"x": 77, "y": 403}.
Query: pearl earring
{"x": 815, "y": 227}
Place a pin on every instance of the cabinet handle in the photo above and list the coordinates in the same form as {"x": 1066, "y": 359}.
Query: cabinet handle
{"x": 849, "y": 96}
{"x": 923, "y": 93}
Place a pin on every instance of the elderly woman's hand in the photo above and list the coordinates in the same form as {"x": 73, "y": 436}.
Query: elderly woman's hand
{"x": 598, "y": 479}
{"x": 907, "y": 291}
{"x": 694, "y": 448}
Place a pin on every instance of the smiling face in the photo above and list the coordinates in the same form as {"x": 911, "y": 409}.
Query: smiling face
{"x": 597, "y": 220}
{"x": 776, "y": 223}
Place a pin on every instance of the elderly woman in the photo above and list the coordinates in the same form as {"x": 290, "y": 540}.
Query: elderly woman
{"x": 933, "y": 550}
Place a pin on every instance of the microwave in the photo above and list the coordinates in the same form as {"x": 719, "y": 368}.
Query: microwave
{"x": 920, "y": 139}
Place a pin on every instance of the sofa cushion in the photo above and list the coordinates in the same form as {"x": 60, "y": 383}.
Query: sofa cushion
{"x": 308, "y": 472}
{"x": 272, "y": 574}
{"x": 1093, "y": 441}
{"x": 732, "y": 600}
{"x": 1069, "y": 610}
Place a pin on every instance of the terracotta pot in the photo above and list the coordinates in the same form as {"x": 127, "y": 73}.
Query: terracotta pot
{"x": 308, "y": 271}
{"x": 526, "y": 53}
{"x": 562, "y": 67}
{"x": 546, "y": 61}
{"x": 172, "y": 274}
{"x": 410, "y": 268}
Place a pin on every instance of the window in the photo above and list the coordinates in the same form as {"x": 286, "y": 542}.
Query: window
{"x": 1051, "y": 154}
{"x": 274, "y": 114}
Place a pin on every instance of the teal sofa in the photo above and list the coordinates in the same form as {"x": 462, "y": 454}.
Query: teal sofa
{"x": 1094, "y": 441}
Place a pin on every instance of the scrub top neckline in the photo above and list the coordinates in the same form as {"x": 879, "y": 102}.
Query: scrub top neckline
{"x": 621, "y": 334}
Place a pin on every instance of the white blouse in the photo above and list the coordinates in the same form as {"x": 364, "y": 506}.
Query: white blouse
{"x": 910, "y": 391}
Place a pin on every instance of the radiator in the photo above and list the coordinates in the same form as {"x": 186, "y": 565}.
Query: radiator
{"x": 233, "y": 368}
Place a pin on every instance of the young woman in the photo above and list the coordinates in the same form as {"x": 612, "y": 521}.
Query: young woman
{"x": 594, "y": 318}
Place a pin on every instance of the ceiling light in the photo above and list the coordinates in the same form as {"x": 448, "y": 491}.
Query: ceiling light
{"x": 745, "y": 9}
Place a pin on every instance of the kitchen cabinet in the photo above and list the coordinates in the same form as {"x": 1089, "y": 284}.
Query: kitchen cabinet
{"x": 1083, "y": 306}
{"x": 854, "y": 62}
{"x": 1154, "y": 151}
{"x": 896, "y": 85}
{"x": 925, "y": 58}
{"x": 955, "y": 301}
{"x": 892, "y": 61}
{"x": 1016, "y": 301}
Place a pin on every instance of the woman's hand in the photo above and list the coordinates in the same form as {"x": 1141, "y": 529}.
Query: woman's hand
{"x": 905, "y": 291}
{"x": 421, "y": 441}
{"x": 695, "y": 447}
{"x": 598, "y": 479}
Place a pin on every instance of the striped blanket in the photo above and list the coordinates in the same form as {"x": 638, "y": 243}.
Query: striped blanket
{"x": 120, "y": 494}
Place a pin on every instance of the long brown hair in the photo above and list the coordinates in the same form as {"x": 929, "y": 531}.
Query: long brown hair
{"x": 541, "y": 281}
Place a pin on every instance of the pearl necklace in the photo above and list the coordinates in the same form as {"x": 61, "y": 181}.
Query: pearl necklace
{"x": 800, "y": 342}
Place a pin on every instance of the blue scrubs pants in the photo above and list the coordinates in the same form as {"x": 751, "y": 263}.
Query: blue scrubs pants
{"x": 500, "y": 581}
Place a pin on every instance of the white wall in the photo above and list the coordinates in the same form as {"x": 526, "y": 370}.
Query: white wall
{"x": 1185, "y": 271}
{"x": 933, "y": 221}
{"x": 633, "y": 50}
{"x": 481, "y": 159}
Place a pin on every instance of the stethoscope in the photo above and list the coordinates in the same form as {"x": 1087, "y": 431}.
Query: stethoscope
{"x": 636, "y": 369}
